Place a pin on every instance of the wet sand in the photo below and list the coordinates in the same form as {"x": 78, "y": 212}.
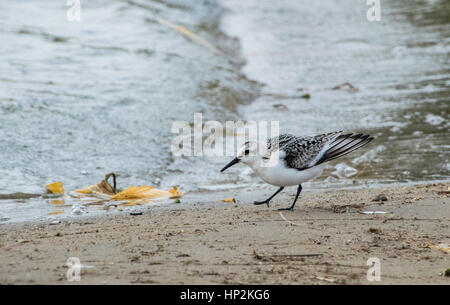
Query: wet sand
{"x": 325, "y": 240}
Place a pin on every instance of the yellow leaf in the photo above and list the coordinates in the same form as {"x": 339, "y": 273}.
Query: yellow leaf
{"x": 58, "y": 201}
{"x": 136, "y": 195}
{"x": 443, "y": 247}
{"x": 102, "y": 188}
{"x": 146, "y": 192}
{"x": 55, "y": 188}
{"x": 134, "y": 202}
{"x": 175, "y": 193}
{"x": 229, "y": 200}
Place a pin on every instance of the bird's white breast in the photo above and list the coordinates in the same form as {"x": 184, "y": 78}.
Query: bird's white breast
{"x": 281, "y": 175}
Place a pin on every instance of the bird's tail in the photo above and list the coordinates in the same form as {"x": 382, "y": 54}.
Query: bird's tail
{"x": 344, "y": 144}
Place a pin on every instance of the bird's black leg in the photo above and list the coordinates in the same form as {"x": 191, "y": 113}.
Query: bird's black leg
{"x": 270, "y": 198}
{"x": 291, "y": 208}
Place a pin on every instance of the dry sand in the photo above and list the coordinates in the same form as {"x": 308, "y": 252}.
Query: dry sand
{"x": 325, "y": 240}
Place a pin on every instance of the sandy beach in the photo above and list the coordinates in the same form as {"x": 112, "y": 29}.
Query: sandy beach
{"x": 327, "y": 239}
{"x": 164, "y": 94}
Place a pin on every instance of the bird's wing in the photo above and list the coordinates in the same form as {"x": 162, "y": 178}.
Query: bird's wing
{"x": 305, "y": 152}
{"x": 302, "y": 152}
{"x": 342, "y": 145}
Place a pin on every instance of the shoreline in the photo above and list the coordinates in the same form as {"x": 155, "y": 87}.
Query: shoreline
{"x": 203, "y": 198}
{"x": 325, "y": 240}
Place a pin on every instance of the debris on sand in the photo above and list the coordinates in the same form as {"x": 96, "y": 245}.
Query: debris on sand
{"x": 280, "y": 106}
{"x": 256, "y": 255}
{"x": 373, "y": 212}
{"x": 442, "y": 247}
{"x": 55, "y": 188}
{"x": 444, "y": 193}
{"x": 79, "y": 209}
{"x": 136, "y": 213}
{"x": 284, "y": 257}
{"x": 346, "y": 208}
{"x": 321, "y": 278}
{"x": 146, "y": 192}
{"x": 229, "y": 200}
{"x": 374, "y": 230}
{"x": 107, "y": 192}
{"x": 347, "y": 87}
{"x": 102, "y": 188}
{"x": 306, "y": 96}
{"x": 380, "y": 197}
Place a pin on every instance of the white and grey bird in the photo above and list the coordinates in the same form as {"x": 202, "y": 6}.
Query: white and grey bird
{"x": 289, "y": 160}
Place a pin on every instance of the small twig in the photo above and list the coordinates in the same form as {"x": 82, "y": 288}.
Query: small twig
{"x": 114, "y": 180}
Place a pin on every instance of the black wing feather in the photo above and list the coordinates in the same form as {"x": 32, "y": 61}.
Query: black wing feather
{"x": 343, "y": 145}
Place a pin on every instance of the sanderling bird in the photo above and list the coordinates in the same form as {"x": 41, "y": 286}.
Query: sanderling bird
{"x": 297, "y": 159}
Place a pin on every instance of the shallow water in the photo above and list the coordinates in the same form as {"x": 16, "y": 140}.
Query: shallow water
{"x": 81, "y": 99}
{"x": 400, "y": 66}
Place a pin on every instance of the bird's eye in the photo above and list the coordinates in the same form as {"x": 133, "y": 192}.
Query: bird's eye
{"x": 246, "y": 152}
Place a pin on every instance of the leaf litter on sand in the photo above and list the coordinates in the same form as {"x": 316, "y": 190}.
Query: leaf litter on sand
{"x": 229, "y": 200}
{"x": 105, "y": 193}
{"x": 442, "y": 247}
{"x": 102, "y": 188}
{"x": 55, "y": 188}
{"x": 146, "y": 192}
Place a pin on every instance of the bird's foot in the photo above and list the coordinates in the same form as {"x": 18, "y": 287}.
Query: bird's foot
{"x": 262, "y": 202}
{"x": 286, "y": 209}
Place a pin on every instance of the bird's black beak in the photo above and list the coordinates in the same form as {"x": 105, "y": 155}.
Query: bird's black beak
{"x": 233, "y": 162}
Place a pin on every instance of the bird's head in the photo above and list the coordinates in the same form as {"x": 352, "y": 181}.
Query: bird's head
{"x": 247, "y": 154}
